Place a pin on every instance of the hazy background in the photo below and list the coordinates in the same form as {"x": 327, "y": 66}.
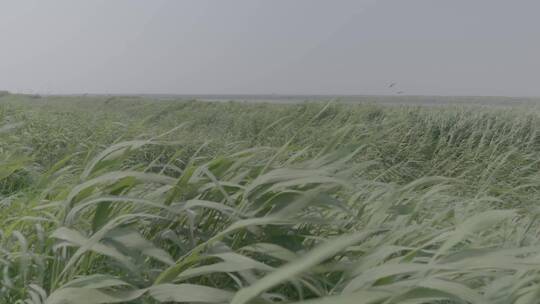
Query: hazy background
{"x": 442, "y": 47}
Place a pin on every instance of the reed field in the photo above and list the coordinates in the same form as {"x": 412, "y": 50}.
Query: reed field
{"x": 135, "y": 200}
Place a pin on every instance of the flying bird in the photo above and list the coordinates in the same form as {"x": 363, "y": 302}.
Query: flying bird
{"x": 392, "y": 84}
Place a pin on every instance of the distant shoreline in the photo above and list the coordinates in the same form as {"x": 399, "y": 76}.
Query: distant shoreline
{"x": 349, "y": 99}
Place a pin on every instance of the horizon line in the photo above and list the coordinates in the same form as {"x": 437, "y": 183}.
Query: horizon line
{"x": 275, "y": 95}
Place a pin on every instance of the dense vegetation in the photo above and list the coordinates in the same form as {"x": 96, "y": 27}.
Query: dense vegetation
{"x": 128, "y": 200}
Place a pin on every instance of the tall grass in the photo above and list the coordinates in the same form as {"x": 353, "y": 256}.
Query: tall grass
{"x": 137, "y": 201}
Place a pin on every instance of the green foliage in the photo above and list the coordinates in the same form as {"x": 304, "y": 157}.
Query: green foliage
{"x": 130, "y": 200}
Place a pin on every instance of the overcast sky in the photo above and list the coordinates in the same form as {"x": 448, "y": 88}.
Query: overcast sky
{"x": 442, "y": 47}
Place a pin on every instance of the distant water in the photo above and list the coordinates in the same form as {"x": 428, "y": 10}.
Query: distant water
{"x": 369, "y": 99}
{"x": 376, "y": 99}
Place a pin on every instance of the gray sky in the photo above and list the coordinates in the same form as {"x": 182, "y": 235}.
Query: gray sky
{"x": 444, "y": 47}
